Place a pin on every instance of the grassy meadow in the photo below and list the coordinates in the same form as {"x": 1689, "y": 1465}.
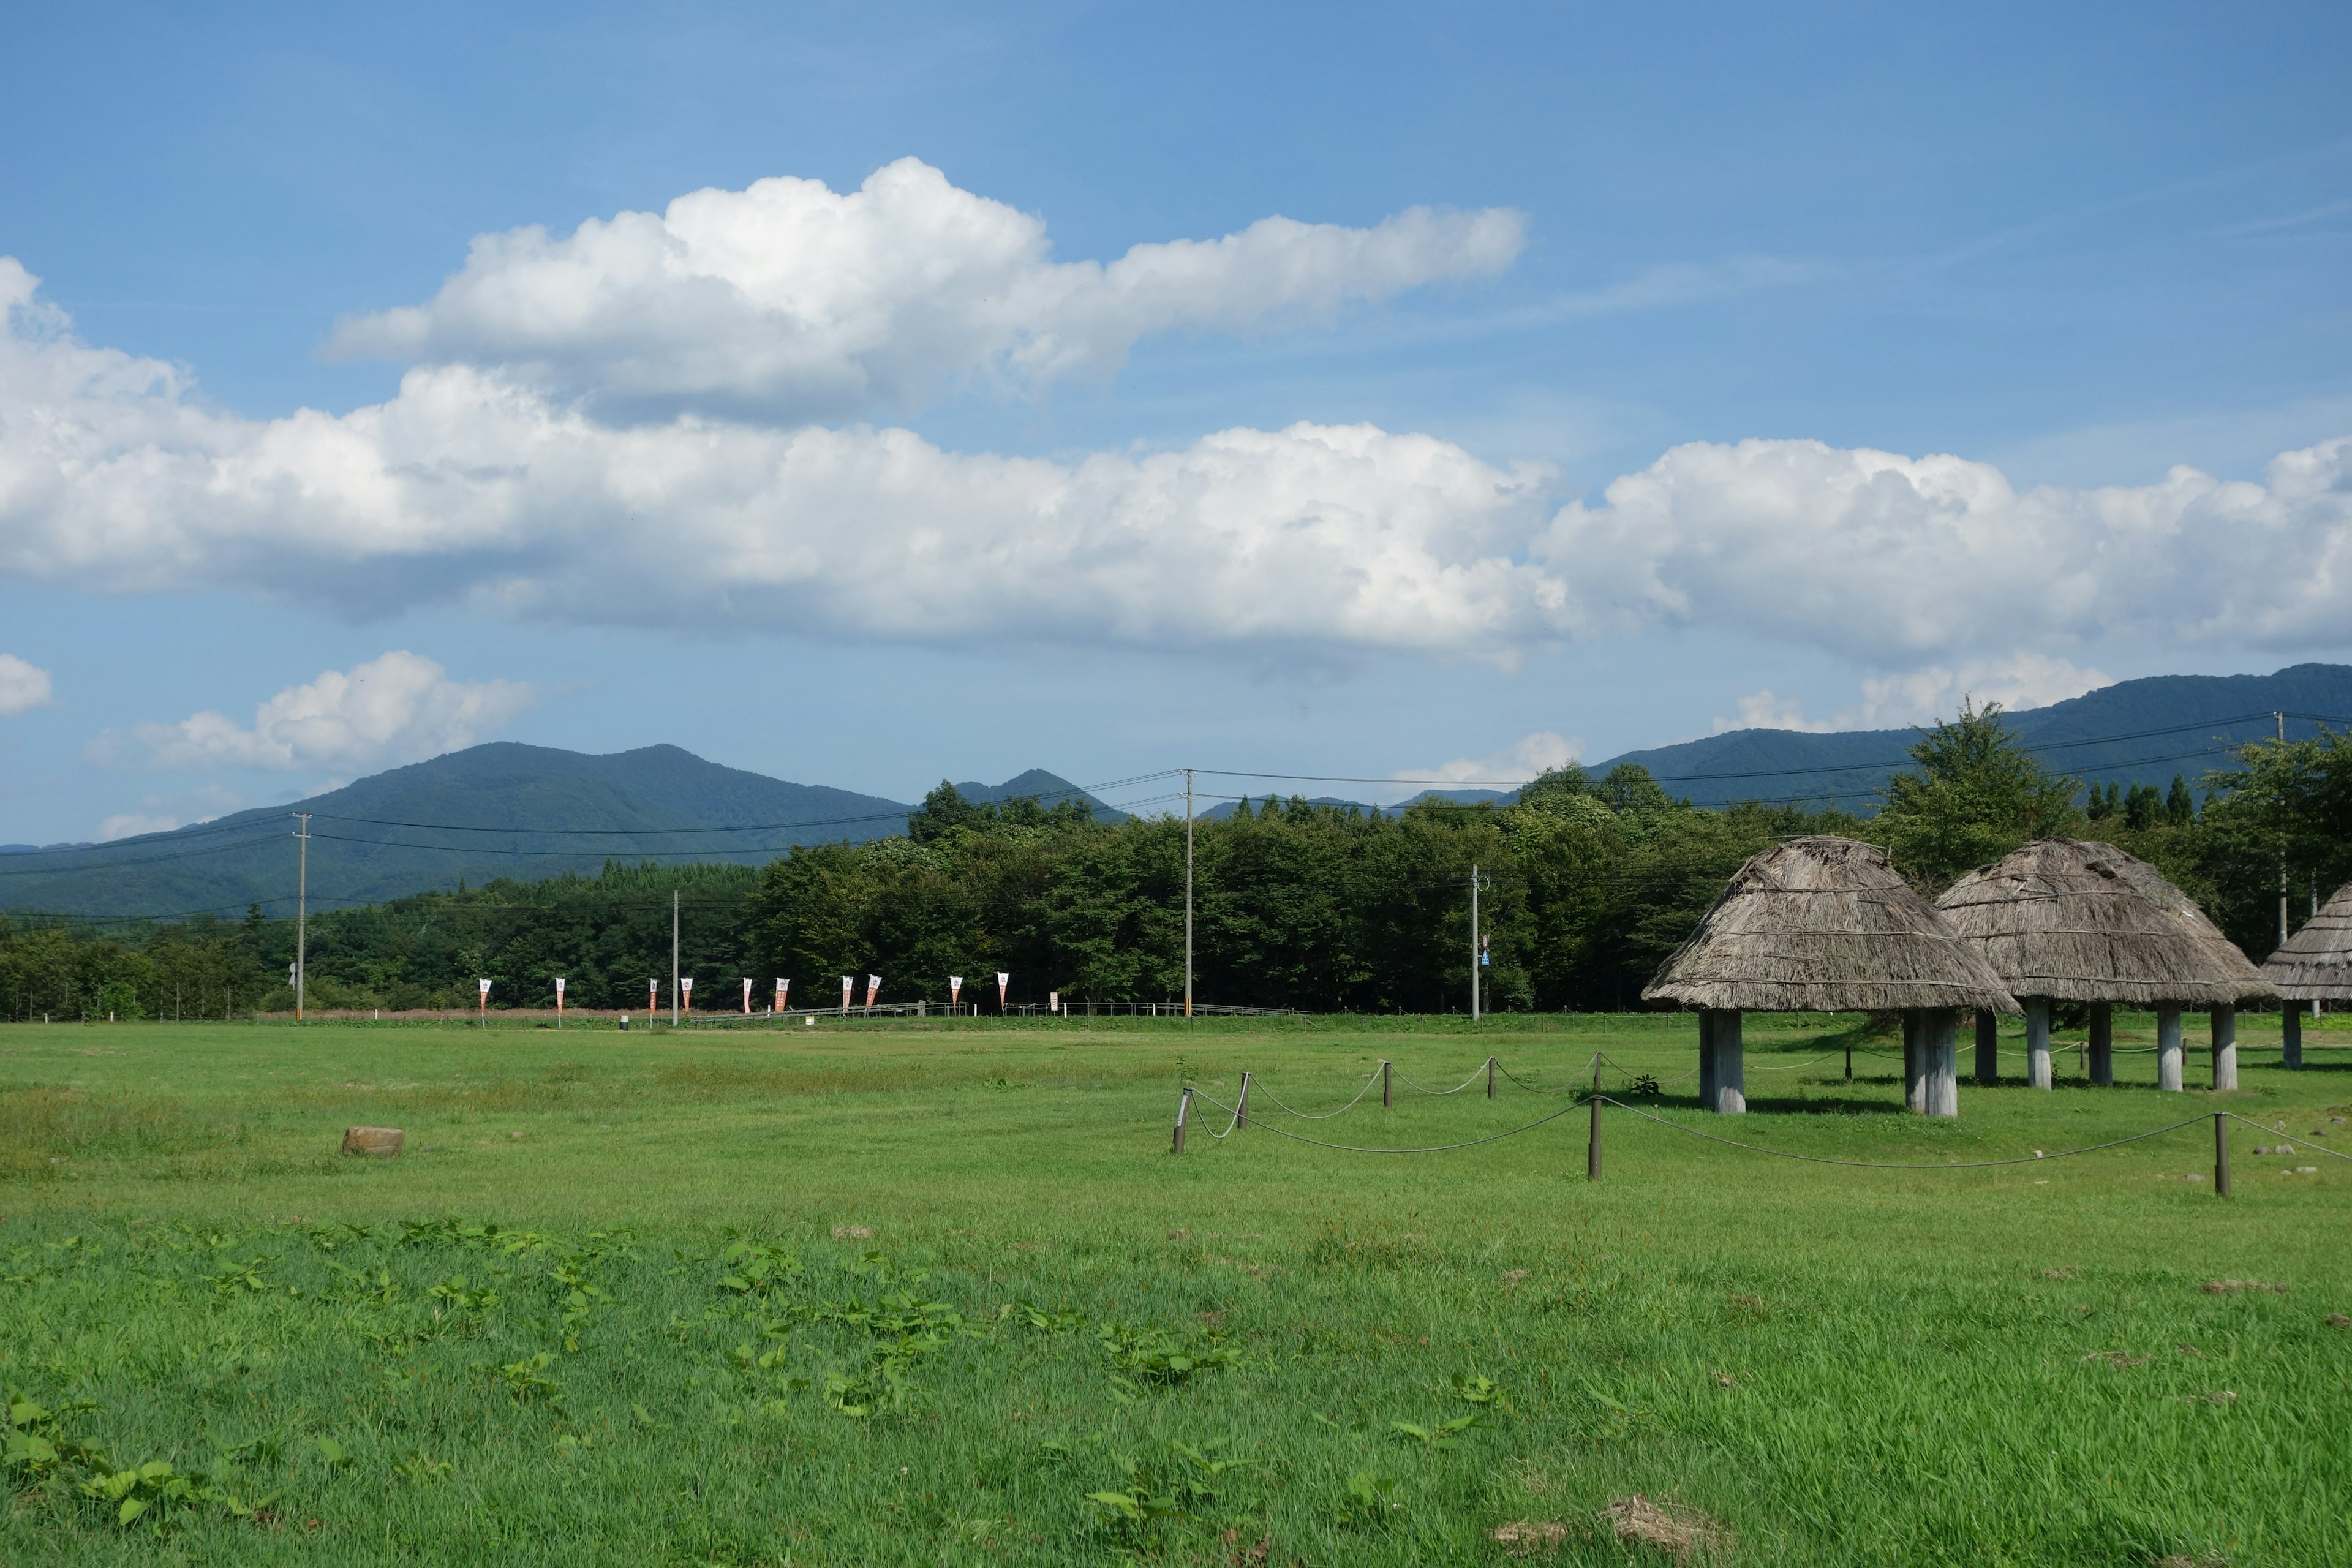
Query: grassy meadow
{"x": 932, "y": 1293}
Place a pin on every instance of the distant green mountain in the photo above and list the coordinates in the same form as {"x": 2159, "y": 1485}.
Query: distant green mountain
{"x": 1046, "y": 789}
{"x": 501, "y": 809}
{"x": 2100, "y": 736}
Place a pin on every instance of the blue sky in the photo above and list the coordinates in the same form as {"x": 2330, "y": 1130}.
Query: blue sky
{"x": 1802, "y": 366}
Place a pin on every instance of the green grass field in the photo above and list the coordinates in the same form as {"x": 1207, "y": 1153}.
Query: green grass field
{"x": 940, "y": 1294}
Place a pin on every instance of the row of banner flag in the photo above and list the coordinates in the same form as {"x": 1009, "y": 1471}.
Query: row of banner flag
{"x": 784, "y": 992}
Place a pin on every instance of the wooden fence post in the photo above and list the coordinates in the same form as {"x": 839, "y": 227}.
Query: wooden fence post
{"x": 1388, "y": 1097}
{"x": 1490, "y": 1077}
{"x": 1241, "y": 1104}
{"x": 2221, "y": 1153}
{"x": 1592, "y": 1149}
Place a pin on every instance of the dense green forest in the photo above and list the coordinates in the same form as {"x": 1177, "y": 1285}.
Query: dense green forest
{"x": 1586, "y": 884}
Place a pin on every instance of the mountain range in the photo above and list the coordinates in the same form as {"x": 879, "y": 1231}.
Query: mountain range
{"x": 498, "y": 809}
{"x": 508, "y": 809}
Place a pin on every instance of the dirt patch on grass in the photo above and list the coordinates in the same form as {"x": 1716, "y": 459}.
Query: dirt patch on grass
{"x": 2234, "y": 1287}
{"x": 1528, "y": 1537}
{"x": 1678, "y": 1531}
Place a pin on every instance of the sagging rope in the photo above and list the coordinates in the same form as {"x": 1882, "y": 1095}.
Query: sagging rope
{"x": 1317, "y": 1115}
{"x": 1735, "y": 1144}
{"x": 1433, "y": 1149}
{"x": 1887, "y": 1165}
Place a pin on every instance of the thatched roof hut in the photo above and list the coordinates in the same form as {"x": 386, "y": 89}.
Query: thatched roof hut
{"x": 2076, "y": 921}
{"x": 1825, "y": 925}
{"x": 2315, "y": 965}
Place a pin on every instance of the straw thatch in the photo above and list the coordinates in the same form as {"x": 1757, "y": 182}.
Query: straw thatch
{"x": 2315, "y": 965}
{"x": 1825, "y": 925}
{"x": 2082, "y": 921}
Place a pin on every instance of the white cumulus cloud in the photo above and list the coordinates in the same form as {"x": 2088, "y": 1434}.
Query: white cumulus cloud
{"x": 23, "y": 686}
{"x": 474, "y": 487}
{"x": 792, "y": 299}
{"x": 1929, "y": 693}
{"x": 399, "y": 708}
{"x": 466, "y": 486}
{"x": 1885, "y": 558}
{"x": 1520, "y": 761}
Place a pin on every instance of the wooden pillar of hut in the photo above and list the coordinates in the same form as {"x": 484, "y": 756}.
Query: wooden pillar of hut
{"x": 2167, "y": 1047}
{"x": 2225, "y": 1046}
{"x": 2291, "y": 1034}
{"x": 1723, "y": 1079}
{"x": 2103, "y": 1042}
{"x": 1988, "y": 1047}
{"x": 1940, "y": 1048}
{"x": 2037, "y": 1041}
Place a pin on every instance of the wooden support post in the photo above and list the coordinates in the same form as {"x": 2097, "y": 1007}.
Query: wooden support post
{"x": 1915, "y": 1069}
{"x": 2037, "y": 1041}
{"x": 2167, "y": 1047}
{"x": 2225, "y": 1046}
{"x": 1731, "y": 1073}
{"x": 2103, "y": 1042}
{"x": 2291, "y": 1034}
{"x": 1988, "y": 1047}
{"x": 1241, "y": 1104}
{"x": 2220, "y": 1153}
{"x": 1387, "y": 1096}
{"x": 1939, "y": 1040}
{"x": 1182, "y": 1105}
{"x": 1705, "y": 1059}
{"x": 1592, "y": 1148}
{"x": 1490, "y": 1077}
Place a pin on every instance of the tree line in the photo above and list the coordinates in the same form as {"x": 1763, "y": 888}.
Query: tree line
{"x": 1586, "y": 884}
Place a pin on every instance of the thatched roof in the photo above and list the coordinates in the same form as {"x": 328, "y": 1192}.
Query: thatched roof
{"x": 2082, "y": 921}
{"x": 2315, "y": 965}
{"x": 1825, "y": 925}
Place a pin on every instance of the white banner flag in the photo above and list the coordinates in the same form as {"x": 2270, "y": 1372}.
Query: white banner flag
{"x": 1053, "y": 1001}
{"x": 873, "y": 990}
{"x": 484, "y": 985}
{"x": 783, "y": 993}
{"x": 955, "y": 991}
{"x": 1002, "y": 980}
{"x": 848, "y": 986}
{"x": 747, "y": 995}
{"x": 559, "y": 990}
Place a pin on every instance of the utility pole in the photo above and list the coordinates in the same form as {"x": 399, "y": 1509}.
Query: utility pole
{"x": 1474, "y": 944}
{"x": 1188, "y": 892}
{"x": 2282, "y": 941}
{"x": 673, "y": 958}
{"x": 302, "y": 910}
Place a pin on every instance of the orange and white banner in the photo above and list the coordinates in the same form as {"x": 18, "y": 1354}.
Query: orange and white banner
{"x": 783, "y": 993}
{"x": 873, "y": 990}
{"x": 1002, "y": 982}
{"x": 848, "y": 986}
{"x": 955, "y": 991}
{"x": 747, "y": 995}
{"x": 687, "y": 988}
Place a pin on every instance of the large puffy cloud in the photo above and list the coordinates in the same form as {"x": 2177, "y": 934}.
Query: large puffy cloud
{"x": 467, "y": 486}
{"x": 471, "y": 484}
{"x": 791, "y": 300}
{"x": 1886, "y": 558}
{"x": 399, "y": 708}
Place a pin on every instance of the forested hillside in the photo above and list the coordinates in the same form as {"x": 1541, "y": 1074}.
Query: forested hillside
{"x": 1588, "y": 884}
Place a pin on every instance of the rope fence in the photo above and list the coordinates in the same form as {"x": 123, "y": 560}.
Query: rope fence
{"x": 1595, "y": 1099}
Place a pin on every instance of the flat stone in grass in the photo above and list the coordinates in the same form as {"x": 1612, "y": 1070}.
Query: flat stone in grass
{"x": 383, "y": 1140}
